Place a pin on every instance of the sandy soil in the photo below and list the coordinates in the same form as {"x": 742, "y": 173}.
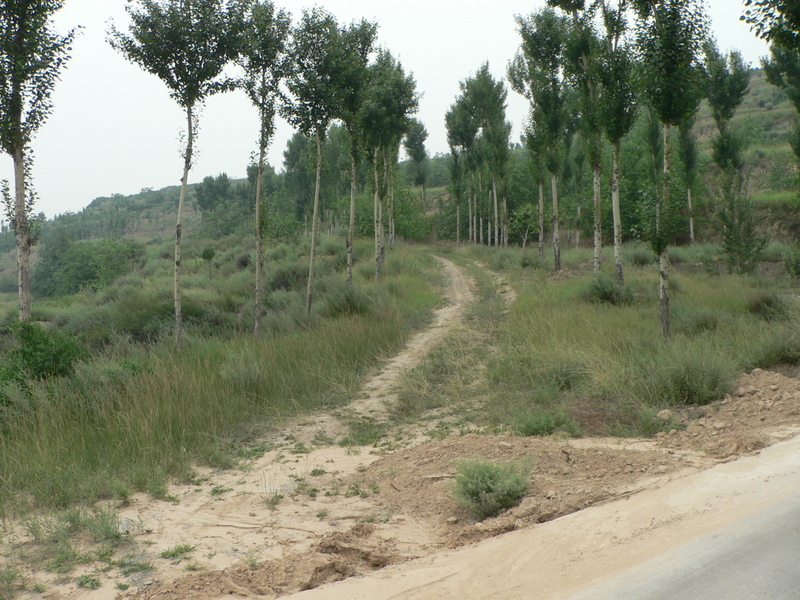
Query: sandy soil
{"x": 307, "y": 514}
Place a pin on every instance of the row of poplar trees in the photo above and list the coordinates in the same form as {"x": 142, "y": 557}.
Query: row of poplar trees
{"x": 589, "y": 66}
{"x": 314, "y": 73}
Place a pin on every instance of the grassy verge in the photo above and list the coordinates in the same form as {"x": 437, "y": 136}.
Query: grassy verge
{"x": 567, "y": 361}
{"x": 138, "y": 416}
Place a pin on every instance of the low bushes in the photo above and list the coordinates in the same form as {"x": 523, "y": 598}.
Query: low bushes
{"x": 486, "y": 489}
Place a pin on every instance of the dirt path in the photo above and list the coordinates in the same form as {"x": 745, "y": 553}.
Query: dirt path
{"x": 379, "y": 396}
{"x": 310, "y": 512}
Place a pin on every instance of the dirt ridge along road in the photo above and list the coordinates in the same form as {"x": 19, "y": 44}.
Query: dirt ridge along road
{"x": 562, "y": 558}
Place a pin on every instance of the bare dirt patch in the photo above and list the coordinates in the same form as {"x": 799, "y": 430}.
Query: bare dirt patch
{"x": 309, "y": 512}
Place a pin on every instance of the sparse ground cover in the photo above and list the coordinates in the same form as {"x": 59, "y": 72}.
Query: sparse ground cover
{"x": 334, "y": 494}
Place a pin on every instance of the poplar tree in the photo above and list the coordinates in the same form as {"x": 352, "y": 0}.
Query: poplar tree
{"x": 537, "y": 73}
{"x": 315, "y": 82}
{"x": 617, "y": 109}
{"x": 486, "y": 99}
{"x": 461, "y": 132}
{"x": 414, "y": 143}
{"x": 358, "y": 40}
{"x": 391, "y": 100}
{"x": 583, "y": 66}
{"x": 186, "y": 44}
{"x": 32, "y": 56}
{"x": 670, "y": 34}
{"x": 727, "y": 80}
{"x": 263, "y": 58}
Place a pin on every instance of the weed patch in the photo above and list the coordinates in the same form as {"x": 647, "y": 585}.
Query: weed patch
{"x": 486, "y": 489}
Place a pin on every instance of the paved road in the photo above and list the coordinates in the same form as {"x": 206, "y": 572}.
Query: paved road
{"x": 756, "y": 558}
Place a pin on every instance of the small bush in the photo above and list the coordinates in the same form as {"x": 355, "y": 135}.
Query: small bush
{"x": 791, "y": 261}
{"x": 694, "y": 320}
{"x": 529, "y": 261}
{"x": 503, "y": 260}
{"x": 767, "y": 305}
{"x": 243, "y": 261}
{"x": 39, "y": 354}
{"x": 487, "y": 489}
{"x": 640, "y": 256}
{"x": 602, "y": 289}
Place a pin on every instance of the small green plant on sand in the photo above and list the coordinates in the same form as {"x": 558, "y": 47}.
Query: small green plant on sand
{"x": 179, "y": 551}
{"x": 486, "y": 489}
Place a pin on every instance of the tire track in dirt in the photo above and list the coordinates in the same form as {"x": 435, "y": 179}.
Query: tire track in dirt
{"x": 379, "y": 390}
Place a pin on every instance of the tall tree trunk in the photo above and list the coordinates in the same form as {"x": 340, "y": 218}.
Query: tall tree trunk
{"x": 314, "y": 227}
{"x": 598, "y": 216}
{"x": 691, "y": 215}
{"x": 470, "y": 196}
{"x": 351, "y": 229}
{"x": 556, "y": 240}
{"x": 505, "y": 221}
{"x": 259, "y": 309}
{"x": 541, "y": 219}
{"x": 458, "y": 224}
{"x": 578, "y": 225}
{"x": 187, "y": 165}
{"x": 663, "y": 259}
{"x": 389, "y": 177}
{"x": 619, "y": 277}
{"x": 496, "y": 214}
{"x": 22, "y": 231}
{"x": 375, "y": 211}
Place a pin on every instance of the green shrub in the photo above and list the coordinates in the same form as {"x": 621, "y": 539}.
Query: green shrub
{"x": 503, "y": 260}
{"x": 486, "y": 489}
{"x": 688, "y": 374}
{"x": 640, "y": 256}
{"x": 602, "y": 289}
{"x": 767, "y": 305}
{"x": 529, "y": 261}
{"x": 40, "y": 354}
{"x": 792, "y": 262}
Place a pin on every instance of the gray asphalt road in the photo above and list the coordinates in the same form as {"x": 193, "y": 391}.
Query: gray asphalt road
{"x": 755, "y": 558}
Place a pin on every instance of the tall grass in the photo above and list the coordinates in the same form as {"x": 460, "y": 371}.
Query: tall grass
{"x": 608, "y": 365}
{"x": 142, "y": 415}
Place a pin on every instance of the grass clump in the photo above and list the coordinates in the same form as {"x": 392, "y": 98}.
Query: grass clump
{"x": 88, "y": 582}
{"x": 178, "y": 551}
{"x": 767, "y": 305}
{"x": 545, "y": 422}
{"x": 603, "y": 290}
{"x": 486, "y": 489}
{"x": 364, "y": 432}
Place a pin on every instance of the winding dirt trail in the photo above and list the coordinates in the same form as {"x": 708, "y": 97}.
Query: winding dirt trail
{"x": 379, "y": 395}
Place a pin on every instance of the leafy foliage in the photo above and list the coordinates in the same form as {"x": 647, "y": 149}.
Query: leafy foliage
{"x": 486, "y": 489}
{"x": 186, "y": 45}
{"x": 39, "y": 354}
{"x": 67, "y": 267}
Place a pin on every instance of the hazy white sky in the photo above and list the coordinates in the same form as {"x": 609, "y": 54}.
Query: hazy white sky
{"x": 114, "y": 128}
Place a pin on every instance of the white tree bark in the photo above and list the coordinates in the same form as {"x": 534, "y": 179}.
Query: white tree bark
{"x": 187, "y": 165}
{"x": 541, "y": 219}
{"x": 314, "y": 228}
{"x": 259, "y": 309}
{"x": 598, "y": 217}
{"x": 556, "y": 234}
{"x": 619, "y": 278}
{"x": 22, "y": 231}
